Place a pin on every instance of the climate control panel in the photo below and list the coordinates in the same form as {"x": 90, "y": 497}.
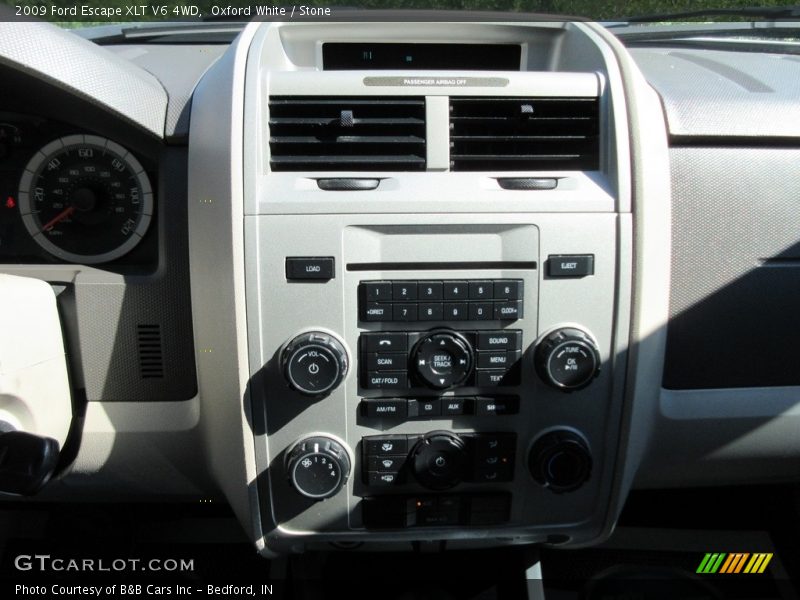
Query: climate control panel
{"x": 438, "y": 460}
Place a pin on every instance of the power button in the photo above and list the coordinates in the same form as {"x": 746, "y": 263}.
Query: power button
{"x": 314, "y": 363}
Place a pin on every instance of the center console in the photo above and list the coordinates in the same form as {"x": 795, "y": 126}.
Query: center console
{"x": 435, "y": 286}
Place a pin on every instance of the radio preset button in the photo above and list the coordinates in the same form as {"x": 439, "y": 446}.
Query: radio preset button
{"x": 508, "y": 289}
{"x": 456, "y": 290}
{"x": 404, "y": 312}
{"x": 431, "y": 311}
{"x": 377, "y": 291}
{"x": 456, "y": 311}
{"x": 481, "y": 290}
{"x": 429, "y": 290}
{"x": 404, "y": 290}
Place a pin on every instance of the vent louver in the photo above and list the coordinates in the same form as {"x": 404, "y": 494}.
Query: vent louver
{"x": 347, "y": 134}
{"x": 524, "y": 134}
{"x": 151, "y": 353}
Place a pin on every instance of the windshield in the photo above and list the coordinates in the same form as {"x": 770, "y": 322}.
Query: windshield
{"x": 77, "y": 13}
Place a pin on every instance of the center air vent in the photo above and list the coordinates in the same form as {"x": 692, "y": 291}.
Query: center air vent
{"x": 346, "y": 134}
{"x": 524, "y": 134}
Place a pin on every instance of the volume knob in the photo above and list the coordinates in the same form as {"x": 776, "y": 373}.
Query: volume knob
{"x": 314, "y": 363}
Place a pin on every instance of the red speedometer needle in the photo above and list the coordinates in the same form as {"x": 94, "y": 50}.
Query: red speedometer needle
{"x": 62, "y": 215}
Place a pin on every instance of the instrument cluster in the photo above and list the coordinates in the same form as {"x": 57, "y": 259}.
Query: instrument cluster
{"x": 72, "y": 197}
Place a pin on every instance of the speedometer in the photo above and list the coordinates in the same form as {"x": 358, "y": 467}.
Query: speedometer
{"x": 85, "y": 199}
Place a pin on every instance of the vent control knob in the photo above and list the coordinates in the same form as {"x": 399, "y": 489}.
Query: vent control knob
{"x": 560, "y": 460}
{"x": 318, "y": 467}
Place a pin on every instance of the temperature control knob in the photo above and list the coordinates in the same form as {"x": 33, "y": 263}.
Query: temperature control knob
{"x": 560, "y": 460}
{"x": 442, "y": 359}
{"x": 439, "y": 460}
{"x": 567, "y": 359}
{"x": 318, "y": 467}
{"x": 314, "y": 363}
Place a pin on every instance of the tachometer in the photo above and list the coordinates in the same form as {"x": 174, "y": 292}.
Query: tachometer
{"x": 85, "y": 199}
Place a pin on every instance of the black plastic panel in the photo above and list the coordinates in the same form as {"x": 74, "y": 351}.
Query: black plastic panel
{"x": 136, "y": 340}
{"x": 735, "y": 293}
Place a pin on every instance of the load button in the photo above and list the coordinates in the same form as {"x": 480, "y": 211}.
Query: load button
{"x": 318, "y": 268}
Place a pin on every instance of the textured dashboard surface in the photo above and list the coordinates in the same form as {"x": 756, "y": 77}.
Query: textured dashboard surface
{"x": 178, "y": 68}
{"x": 92, "y": 73}
{"x": 735, "y": 268}
{"x": 725, "y": 93}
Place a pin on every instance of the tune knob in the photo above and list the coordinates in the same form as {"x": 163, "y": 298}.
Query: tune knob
{"x": 560, "y": 460}
{"x": 318, "y": 467}
{"x": 439, "y": 460}
{"x": 314, "y": 363}
{"x": 442, "y": 359}
{"x": 567, "y": 359}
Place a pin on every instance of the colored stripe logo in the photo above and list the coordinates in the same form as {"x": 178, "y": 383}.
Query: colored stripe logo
{"x": 734, "y": 562}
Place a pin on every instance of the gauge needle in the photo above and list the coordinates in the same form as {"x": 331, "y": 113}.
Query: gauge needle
{"x": 62, "y": 215}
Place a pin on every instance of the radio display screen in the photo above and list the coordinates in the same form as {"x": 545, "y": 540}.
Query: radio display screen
{"x": 344, "y": 56}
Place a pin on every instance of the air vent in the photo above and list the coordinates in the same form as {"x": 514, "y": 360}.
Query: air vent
{"x": 347, "y": 134}
{"x": 151, "y": 354}
{"x": 524, "y": 134}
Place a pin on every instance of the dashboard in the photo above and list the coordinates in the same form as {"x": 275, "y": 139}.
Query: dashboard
{"x": 471, "y": 287}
